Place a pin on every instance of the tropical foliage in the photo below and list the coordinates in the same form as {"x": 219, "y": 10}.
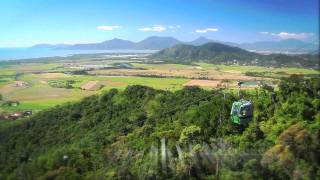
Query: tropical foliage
{"x": 143, "y": 133}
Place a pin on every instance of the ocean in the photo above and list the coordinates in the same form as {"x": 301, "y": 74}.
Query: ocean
{"x": 28, "y": 53}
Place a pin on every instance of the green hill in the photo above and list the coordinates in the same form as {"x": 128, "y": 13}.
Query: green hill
{"x": 210, "y": 52}
{"x": 217, "y": 53}
{"x": 143, "y": 133}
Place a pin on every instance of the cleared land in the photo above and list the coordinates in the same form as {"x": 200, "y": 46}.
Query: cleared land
{"x": 91, "y": 86}
{"x": 204, "y": 83}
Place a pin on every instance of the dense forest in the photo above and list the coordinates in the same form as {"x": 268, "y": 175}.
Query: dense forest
{"x": 143, "y": 133}
{"x": 217, "y": 53}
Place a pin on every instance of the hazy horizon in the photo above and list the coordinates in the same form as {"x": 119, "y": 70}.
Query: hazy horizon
{"x": 275, "y": 40}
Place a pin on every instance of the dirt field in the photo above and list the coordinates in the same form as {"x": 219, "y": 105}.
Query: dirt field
{"x": 43, "y": 82}
{"x": 16, "y": 85}
{"x": 203, "y": 83}
{"x": 233, "y": 71}
{"x": 53, "y": 75}
{"x": 91, "y": 86}
{"x": 185, "y": 73}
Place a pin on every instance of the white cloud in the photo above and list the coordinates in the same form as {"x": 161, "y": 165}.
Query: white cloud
{"x": 146, "y": 29}
{"x": 207, "y": 30}
{"x": 108, "y": 28}
{"x": 287, "y": 35}
{"x": 154, "y": 28}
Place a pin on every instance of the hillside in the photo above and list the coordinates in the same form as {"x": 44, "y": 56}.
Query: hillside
{"x": 142, "y": 133}
{"x": 210, "y": 52}
{"x": 217, "y": 53}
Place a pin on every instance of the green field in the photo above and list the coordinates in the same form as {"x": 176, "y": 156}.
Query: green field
{"x": 243, "y": 69}
{"x": 38, "y": 94}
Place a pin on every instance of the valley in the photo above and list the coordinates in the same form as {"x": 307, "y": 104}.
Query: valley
{"x": 210, "y": 111}
{"x": 40, "y": 84}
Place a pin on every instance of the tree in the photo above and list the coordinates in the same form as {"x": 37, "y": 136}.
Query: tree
{"x": 294, "y": 155}
{"x": 190, "y": 134}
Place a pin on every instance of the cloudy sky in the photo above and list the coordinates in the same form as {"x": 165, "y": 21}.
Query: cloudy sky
{"x": 25, "y": 23}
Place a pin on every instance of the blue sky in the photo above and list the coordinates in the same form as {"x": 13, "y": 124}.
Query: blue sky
{"x": 28, "y": 22}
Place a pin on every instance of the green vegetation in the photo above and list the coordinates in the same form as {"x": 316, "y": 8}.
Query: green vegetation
{"x": 61, "y": 84}
{"x": 244, "y": 69}
{"x": 217, "y": 53}
{"x": 7, "y": 124}
{"x": 210, "y": 52}
{"x": 144, "y": 133}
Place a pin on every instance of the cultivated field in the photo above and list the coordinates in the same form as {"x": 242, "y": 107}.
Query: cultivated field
{"x": 40, "y": 85}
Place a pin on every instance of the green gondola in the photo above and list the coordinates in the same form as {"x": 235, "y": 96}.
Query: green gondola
{"x": 241, "y": 112}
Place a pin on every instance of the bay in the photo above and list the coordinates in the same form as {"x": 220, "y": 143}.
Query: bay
{"x": 28, "y": 53}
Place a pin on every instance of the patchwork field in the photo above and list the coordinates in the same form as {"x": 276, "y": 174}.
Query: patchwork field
{"x": 38, "y": 86}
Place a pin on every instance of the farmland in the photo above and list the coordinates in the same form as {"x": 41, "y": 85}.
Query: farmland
{"x": 38, "y": 85}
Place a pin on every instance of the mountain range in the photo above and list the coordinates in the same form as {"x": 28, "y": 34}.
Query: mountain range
{"x": 159, "y": 43}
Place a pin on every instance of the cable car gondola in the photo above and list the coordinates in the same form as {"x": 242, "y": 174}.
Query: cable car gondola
{"x": 241, "y": 112}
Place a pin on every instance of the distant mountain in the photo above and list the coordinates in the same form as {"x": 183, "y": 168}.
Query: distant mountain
{"x": 218, "y": 53}
{"x": 199, "y": 41}
{"x": 152, "y": 43}
{"x": 111, "y": 44}
{"x": 157, "y": 43}
{"x": 203, "y": 40}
